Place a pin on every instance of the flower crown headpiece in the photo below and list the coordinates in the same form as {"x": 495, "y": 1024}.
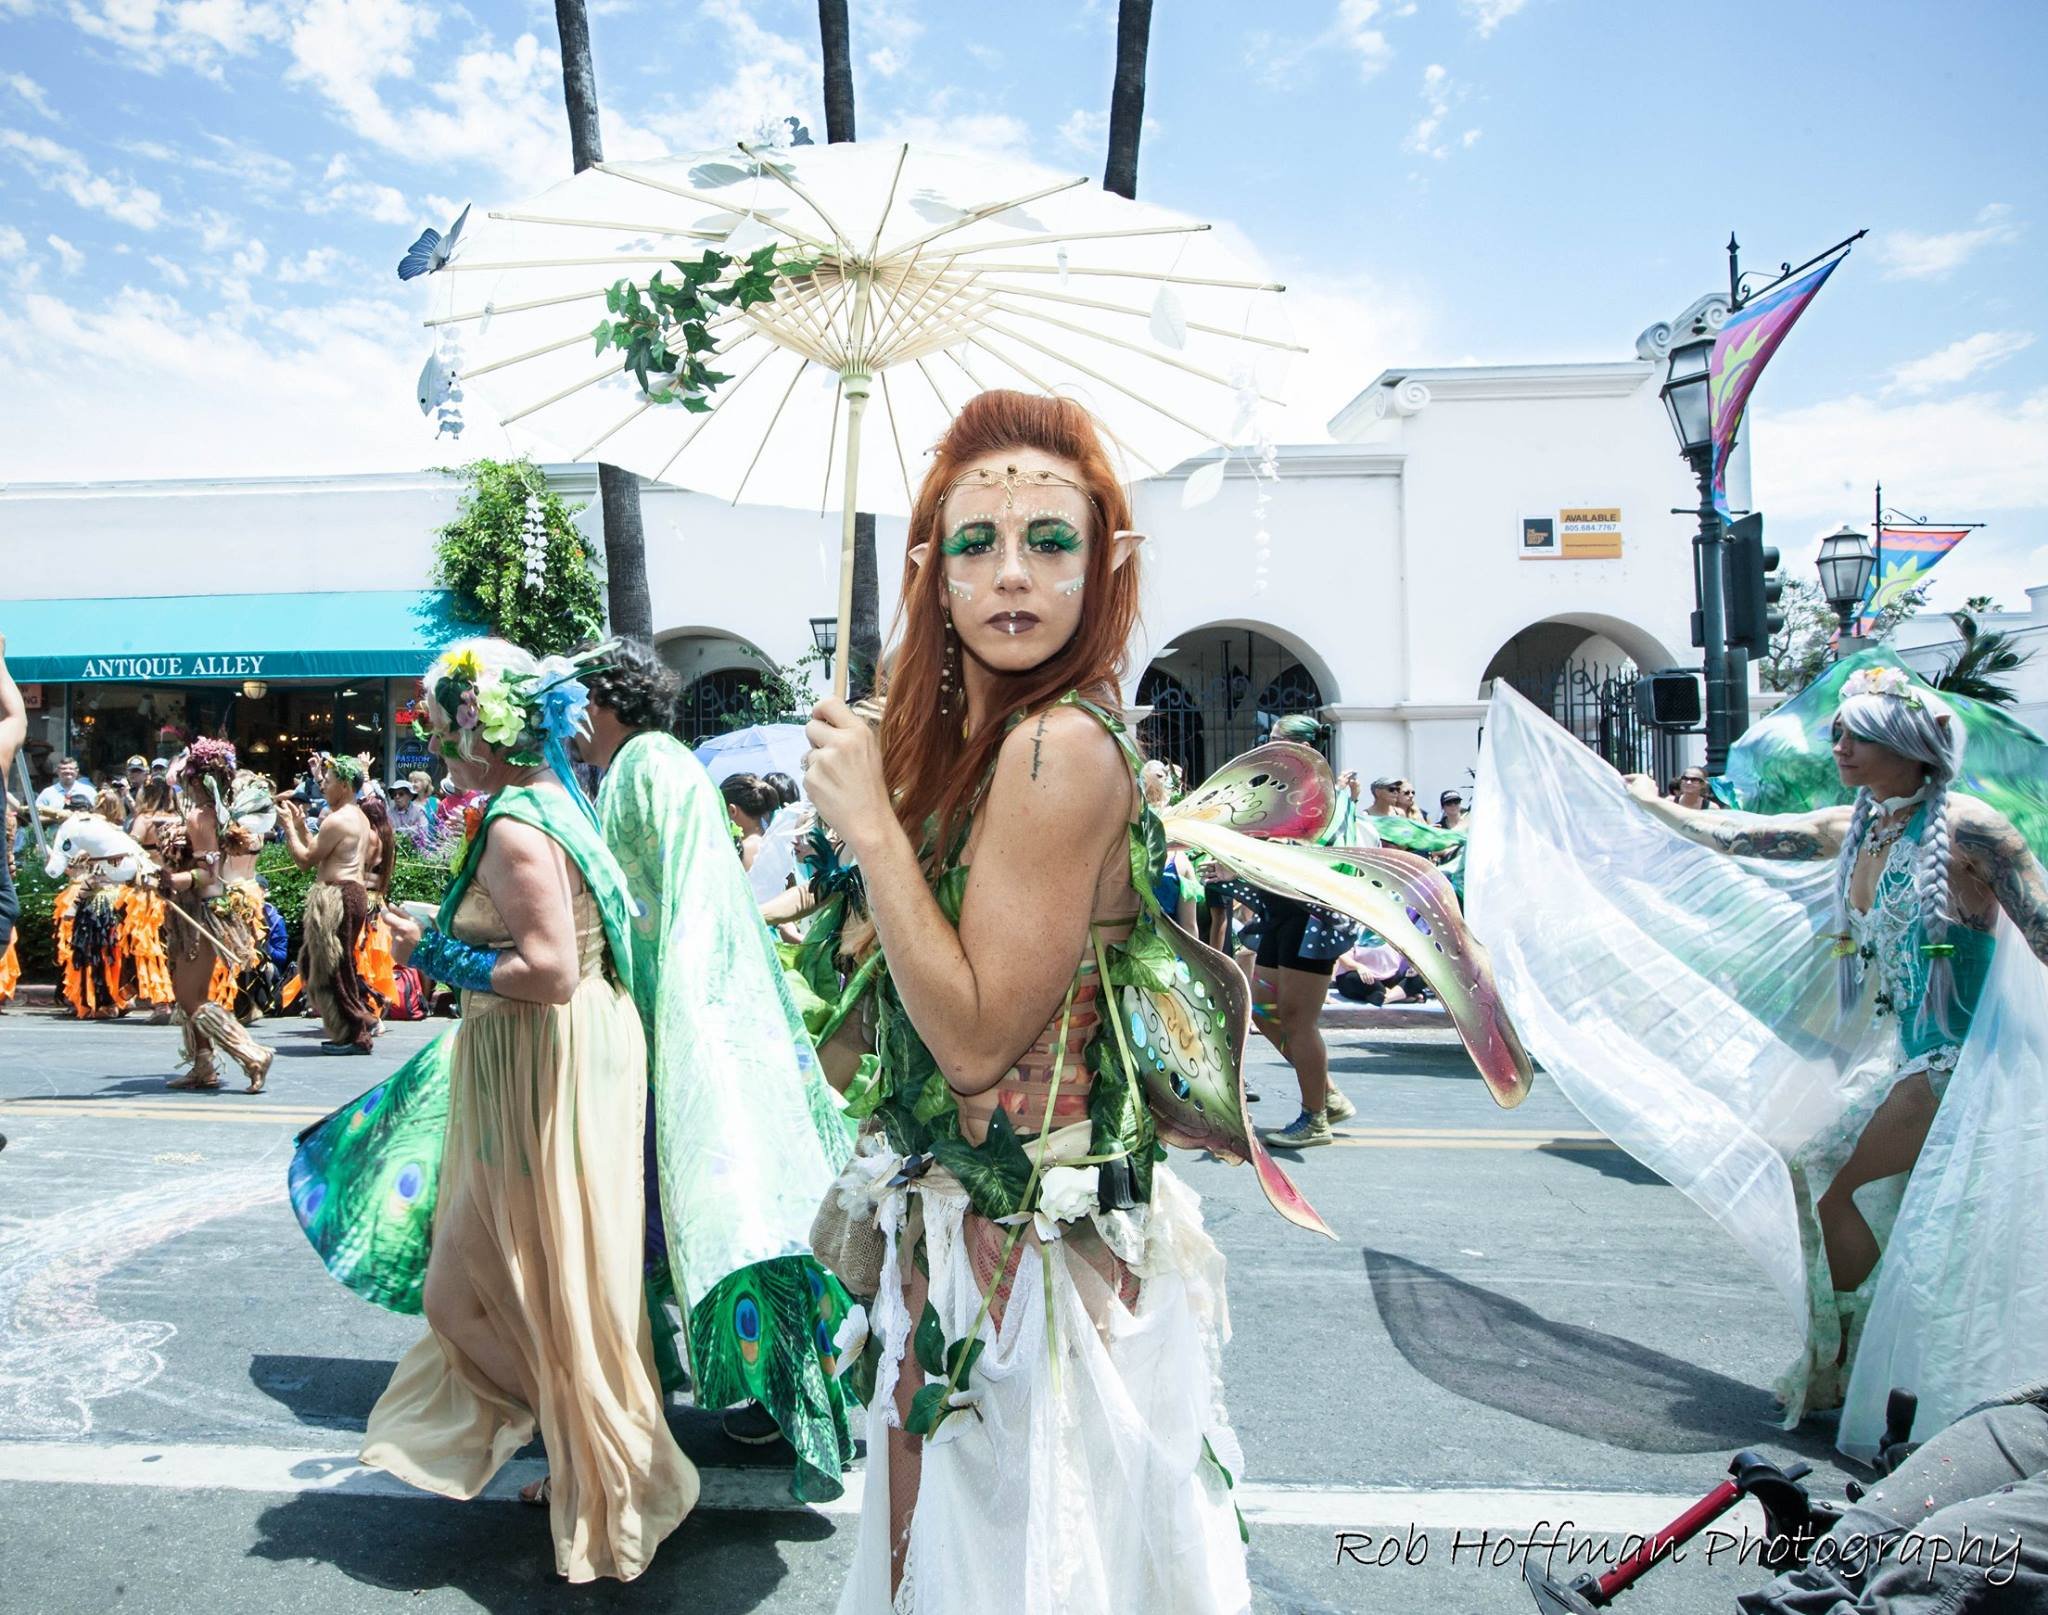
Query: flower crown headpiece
{"x": 518, "y": 713}
{"x": 347, "y": 767}
{"x": 1895, "y": 682}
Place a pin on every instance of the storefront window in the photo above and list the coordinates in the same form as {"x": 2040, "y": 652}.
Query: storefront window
{"x": 273, "y": 726}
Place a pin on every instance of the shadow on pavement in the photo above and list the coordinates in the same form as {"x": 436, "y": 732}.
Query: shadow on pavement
{"x": 500, "y": 1555}
{"x": 1608, "y": 1162}
{"x": 334, "y": 1393}
{"x": 1403, "y": 1062}
{"x": 1497, "y": 1352}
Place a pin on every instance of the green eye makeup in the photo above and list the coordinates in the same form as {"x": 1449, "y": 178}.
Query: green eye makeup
{"x": 1051, "y": 535}
{"x": 975, "y": 538}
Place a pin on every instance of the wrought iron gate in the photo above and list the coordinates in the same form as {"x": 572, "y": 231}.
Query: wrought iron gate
{"x": 1222, "y": 700}
{"x": 1598, "y": 705}
{"x": 702, "y": 711}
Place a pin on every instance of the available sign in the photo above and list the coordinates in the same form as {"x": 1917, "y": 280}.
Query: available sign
{"x": 1590, "y": 534}
{"x": 1581, "y": 533}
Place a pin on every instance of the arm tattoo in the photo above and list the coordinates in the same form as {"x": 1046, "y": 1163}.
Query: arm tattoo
{"x": 1754, "y": 835}
{"x": 1037, "y": 741}
{"x": 2002, "y": 860}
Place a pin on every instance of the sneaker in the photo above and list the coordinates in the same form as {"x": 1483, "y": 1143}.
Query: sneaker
{"x": 1337, "y": 1107}
{"x": 751, "y": 1425}
{"x": 1304, "y": 1132}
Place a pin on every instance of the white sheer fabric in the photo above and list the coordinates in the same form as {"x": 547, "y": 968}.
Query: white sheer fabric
{"x": 1078, "y": 1489}
{"x": 1684, "y": 1002}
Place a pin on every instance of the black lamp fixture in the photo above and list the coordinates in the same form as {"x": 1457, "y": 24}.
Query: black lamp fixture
{"x": 1685, "y": 392}
{"x": 825, "y": 635}
{"x": 1846, "y": 564}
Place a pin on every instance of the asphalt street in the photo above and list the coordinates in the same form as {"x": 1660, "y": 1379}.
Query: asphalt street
{"x": 1514, "y": 1324}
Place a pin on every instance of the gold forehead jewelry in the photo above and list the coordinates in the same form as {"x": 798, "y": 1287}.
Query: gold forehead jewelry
{"x": 1011, "y": 480}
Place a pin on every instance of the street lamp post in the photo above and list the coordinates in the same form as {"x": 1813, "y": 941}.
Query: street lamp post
{"x": 1845, "y": 566}
{"x": 825, "y": 635}
{"x": 1685, "y": 400}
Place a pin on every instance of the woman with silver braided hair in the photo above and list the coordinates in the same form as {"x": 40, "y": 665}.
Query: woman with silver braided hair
{"x": 1922, "y": 870}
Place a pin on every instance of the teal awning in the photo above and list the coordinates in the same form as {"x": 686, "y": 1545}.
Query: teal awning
{"x": 366, "y": 633}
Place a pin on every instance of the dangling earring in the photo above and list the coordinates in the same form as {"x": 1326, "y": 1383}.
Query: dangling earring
{"x": 949, "y": 670}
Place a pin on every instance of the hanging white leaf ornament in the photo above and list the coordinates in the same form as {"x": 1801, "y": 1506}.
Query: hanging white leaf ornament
{"x": 1202, "y": 485}
{"x": 536, "y": 539}
{"x": 1169, "y": 319}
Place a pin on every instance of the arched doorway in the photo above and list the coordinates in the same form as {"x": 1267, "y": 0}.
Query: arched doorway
{"x": 720, "y": 675}
{"x": 1216, "y": 692}
{"x": 1583, "y": 673}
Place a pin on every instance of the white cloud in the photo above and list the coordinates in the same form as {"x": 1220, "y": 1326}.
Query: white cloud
{"x": 384, "y": 203}
{"x": 172, "y": 272}
{"x": 768, "y": 77}
{"x": 1439, "y": 94}
{"x": 1909, "y": 255}
{"x": 69, "y": 256}
{"x": 1958, "y": 456}
{"x": 1487, "y": 15}
{"x": 188, "y": 33}
{"x": 885, "y": 63}
{"x": 12, "y": 242}
{"x": 314, "y": 266}
{"x": 1958, "y": 362}
{"x": 28, "y": 90}
{"x": 1086, "y": 133}
{"x": 973, "y": 134}
{"x": 59, "y": 168}
{"x": 1353, "y": 30}
{"x": 250, "y": 167}
{"x": 1354, "y": 326}
{"x": 270, "y": 392}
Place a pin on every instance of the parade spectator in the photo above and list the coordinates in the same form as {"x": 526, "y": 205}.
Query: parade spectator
{"x": 1394, "y": 798}
{"x": 408, "y": 818}
{"x": 53, "y": 802}
{"x": 134, "y": 777}
{"x": 1451, "y": 810}
{"x": 423, "y": 793}
{"x": 1692, "y": 792}
{"x": 752, "y": 802}
{"x": 13, "y": 731}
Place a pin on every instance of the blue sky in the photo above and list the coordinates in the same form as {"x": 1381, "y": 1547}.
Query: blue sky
{"x": 201, "y": 201}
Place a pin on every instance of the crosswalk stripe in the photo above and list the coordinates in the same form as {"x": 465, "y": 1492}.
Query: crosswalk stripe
{"x": 237, "y": 1468}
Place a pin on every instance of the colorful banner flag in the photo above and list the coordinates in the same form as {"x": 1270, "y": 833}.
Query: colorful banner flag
{"x": 1741, "y": 350}
{"x": 1909, "y": 554}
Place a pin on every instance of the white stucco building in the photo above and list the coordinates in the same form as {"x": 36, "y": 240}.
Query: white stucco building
{"x": 1466, "y": 524}
{"x": 1928, "y": 643}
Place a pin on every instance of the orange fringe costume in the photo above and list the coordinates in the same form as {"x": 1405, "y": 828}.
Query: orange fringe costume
{"x": 10, "y": 971}
{"x": 135, "y": 966}
{"x": 375, "y": 964}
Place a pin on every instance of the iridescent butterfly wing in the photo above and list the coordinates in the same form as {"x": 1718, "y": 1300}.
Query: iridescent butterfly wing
{"x": 1379, "y": 887}
{"x": 363, "y": 1181}
{"x": 1185, "y": 1029}
{"x": 1281, "y": 789}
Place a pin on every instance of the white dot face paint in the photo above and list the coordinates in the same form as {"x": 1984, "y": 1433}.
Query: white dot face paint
{"x": 1072, "y": 586}
{"x": 959, "y": 590}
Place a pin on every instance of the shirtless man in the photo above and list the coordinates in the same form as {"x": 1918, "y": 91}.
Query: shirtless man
{"x": 337, "y": 908}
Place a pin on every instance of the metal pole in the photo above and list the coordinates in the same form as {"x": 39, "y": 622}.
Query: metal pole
{"x": 1713, "y": 622}
{"x": 1877, "y": 538}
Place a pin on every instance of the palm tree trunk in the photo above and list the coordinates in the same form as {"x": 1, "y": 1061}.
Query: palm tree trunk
{"x": 625, "y": 539}
{"x": 1127, "y": 96}
{"x": 864, "y": 654}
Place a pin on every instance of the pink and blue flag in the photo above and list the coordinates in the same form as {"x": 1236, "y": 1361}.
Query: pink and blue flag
{"x": 1741, "y": 350}
{"x": 1910, "y": 553}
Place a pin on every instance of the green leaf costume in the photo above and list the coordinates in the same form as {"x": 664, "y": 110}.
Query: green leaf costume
{"x": 747, "y": 1136}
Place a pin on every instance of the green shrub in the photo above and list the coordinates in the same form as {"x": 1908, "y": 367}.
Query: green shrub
{"x": 36, "y": 928}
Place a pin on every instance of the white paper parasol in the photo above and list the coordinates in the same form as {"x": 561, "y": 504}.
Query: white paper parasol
{"x": 932, "y": 278}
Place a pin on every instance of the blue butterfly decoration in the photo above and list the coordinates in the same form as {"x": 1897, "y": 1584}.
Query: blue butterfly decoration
{"x": 431, "y": 251}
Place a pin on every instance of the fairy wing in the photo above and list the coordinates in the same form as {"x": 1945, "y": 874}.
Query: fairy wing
{"x": 1388, "y": 885}
{"x": 1280, "y": 789}
{"x": 1185, "y": 1009}
{"x": 363, "y": 1182}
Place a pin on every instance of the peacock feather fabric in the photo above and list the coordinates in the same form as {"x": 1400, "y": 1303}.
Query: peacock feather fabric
{"x": 748, "y": 1137}
{"x": 363, "y": 1180}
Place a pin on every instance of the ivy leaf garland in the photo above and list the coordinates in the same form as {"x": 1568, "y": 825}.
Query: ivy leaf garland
{"x": 664, "y": 328}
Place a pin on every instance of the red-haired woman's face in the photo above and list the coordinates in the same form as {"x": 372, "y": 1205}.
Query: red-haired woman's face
{"x": 1012, "y": 550}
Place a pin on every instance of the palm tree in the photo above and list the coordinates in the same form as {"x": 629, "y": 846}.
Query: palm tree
{"x": 864, "y": 655}
{"x": 1975, "y": 669}
{"x": 625, "y": 539}
{"x": 1127, "y": 96}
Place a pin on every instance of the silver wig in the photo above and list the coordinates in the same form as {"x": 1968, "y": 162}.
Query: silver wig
{"x": 1919, "y": 726}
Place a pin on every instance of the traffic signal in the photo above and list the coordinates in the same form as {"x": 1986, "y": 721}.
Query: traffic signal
{"x": 1669, "y": 700}
{"x": 1750, "y": 571}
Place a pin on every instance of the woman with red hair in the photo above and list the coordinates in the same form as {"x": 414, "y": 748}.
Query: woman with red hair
{"x": 1046, "y": 1432}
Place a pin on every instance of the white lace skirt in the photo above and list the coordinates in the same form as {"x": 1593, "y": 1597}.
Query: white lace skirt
{"x": 1095, "y": 1486}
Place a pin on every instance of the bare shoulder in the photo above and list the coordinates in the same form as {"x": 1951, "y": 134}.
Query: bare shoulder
{"x": 1980, "y": 831}
{"x": 1067, "y": 752}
